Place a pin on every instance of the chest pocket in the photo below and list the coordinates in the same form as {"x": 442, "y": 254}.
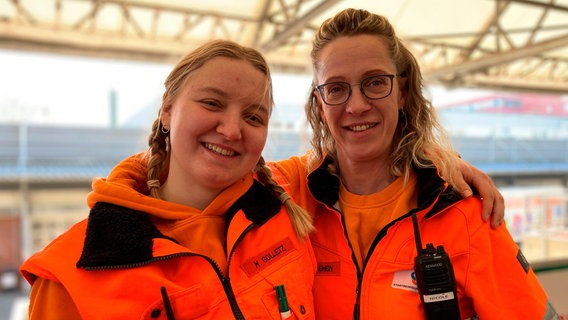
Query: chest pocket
{"x": 191, "y": 303}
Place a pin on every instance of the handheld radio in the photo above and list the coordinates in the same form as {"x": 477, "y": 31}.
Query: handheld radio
{"x": 435, "y": 279}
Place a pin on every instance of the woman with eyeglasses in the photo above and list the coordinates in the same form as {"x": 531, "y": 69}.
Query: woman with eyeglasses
{"x": 390, "y": 222}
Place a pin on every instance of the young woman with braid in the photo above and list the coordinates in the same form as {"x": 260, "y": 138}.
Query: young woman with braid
{"x": 194, "y": 228}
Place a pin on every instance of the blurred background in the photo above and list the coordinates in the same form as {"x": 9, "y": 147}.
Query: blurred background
{"x": 81, "y": 82}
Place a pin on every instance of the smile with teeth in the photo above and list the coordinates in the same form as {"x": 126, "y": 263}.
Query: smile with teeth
{"x": 219, "y": 150}
{"x": 361, "y": 127}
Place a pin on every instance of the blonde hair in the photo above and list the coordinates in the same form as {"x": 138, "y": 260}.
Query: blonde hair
{"x": 419, "y": 138}
{"x": 158, "y": 153}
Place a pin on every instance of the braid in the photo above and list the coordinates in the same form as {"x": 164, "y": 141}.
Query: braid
{"x": 158, "y": 142}
{"x": 301, "y": 220}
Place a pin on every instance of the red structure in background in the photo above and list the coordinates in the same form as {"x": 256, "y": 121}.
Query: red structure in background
{"x": 10, "y": 259}
{"x": 510, "y": 103}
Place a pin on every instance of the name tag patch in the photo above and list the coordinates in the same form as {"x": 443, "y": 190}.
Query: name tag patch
{"x": 269, "y": 256}
{"x": 406, "y": 280}
{"x": 329, "y": 268}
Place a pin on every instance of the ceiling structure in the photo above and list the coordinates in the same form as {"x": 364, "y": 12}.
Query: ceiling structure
{"x": 498, "y": 44}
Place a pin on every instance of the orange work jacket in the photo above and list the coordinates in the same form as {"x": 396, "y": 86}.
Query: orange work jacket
{"x": 118, "y": 265}
{"x": 493, "y": 279}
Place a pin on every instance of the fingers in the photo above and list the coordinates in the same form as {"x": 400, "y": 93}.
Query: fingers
{"x": 493, "y": 207}
{"x": 487, "y": 209}
{"x": 493, "y": 202}
{"x": 498, "y": 211}
{"x": 465, "y": 191}
{"x": 462, "y": 176}
{"x": 471, "y": 178}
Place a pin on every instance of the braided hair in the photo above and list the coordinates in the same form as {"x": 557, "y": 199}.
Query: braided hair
{"x": 301, "y": 220}
{"x": 158, "y": 152}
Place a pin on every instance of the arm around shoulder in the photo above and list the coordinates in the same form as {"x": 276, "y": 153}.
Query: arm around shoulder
{"x": 470, "y": 178}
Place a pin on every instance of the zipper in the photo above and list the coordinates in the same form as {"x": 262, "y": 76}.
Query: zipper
{"x": 356, "y": 307}
{"x": 140, "y": 264}
{"x": 378, "y": 238}
{"x": 226, "y": 281}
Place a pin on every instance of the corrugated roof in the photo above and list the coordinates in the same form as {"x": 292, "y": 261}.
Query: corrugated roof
{"x": 518, "y": 44}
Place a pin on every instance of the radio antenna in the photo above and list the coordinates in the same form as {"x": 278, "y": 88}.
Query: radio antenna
{"x": 419, "y": 248}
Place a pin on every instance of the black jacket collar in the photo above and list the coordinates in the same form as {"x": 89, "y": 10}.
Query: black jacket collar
{"x": 119, "y": 236}
{"x": 325, "y": 187}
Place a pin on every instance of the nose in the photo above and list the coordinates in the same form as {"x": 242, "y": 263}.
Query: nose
{"x": 230, "y": 127}
{"x": 357, "y": 103}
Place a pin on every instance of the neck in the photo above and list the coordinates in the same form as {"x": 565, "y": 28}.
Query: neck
{"x": 198, "y": 198}
{"x": 366, "y": 177}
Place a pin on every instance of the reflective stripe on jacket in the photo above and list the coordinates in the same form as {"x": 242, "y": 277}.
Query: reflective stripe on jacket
{"x": 493, "y": 279}
{"x": 117, "y": 265}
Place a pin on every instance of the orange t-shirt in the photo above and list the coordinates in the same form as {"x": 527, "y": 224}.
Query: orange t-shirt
{"x": 366, "y": 215}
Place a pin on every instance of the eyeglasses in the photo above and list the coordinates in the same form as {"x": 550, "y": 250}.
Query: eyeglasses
{"x": 375, "y": 87}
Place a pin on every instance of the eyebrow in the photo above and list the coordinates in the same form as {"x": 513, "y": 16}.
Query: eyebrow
{"x": 264, "y": 109}
{"x": 214, "y": 90}
{"x": 366, "y": 74}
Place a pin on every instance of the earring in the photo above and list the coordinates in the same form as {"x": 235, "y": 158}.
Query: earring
{"x": 401, "y": 113}
{"x": 163, "y": 129}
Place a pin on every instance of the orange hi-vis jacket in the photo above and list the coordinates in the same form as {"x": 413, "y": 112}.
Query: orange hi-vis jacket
{"x": 493, "y": 279}
{"x": 118, "y": 265}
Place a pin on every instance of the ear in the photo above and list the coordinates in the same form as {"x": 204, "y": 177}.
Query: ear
{"x": 166, "y": 115}
{"x": 403, "y": 88}
{"x": 318, "y": 103}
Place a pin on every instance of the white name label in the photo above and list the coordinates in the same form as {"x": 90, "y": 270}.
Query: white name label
{"x": 438, "y": 297}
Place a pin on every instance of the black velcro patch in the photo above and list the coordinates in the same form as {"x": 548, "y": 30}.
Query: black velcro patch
{"x": 523, "y": 261}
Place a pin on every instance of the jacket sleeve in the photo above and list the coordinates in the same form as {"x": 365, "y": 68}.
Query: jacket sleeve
{"x": 292, "y": 175}
{"x": 290, "y": 172}
{"x": 500, "y": 282}
{"x": 50, "y": 301}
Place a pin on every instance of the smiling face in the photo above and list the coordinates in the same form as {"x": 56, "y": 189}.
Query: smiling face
{"x": 362, "y": 128}
{"x": 218, "y": 125}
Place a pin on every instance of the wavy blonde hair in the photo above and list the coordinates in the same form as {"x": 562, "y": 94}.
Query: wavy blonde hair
{"x": 158, "y": 153}
{"x": 419, "y": 138}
